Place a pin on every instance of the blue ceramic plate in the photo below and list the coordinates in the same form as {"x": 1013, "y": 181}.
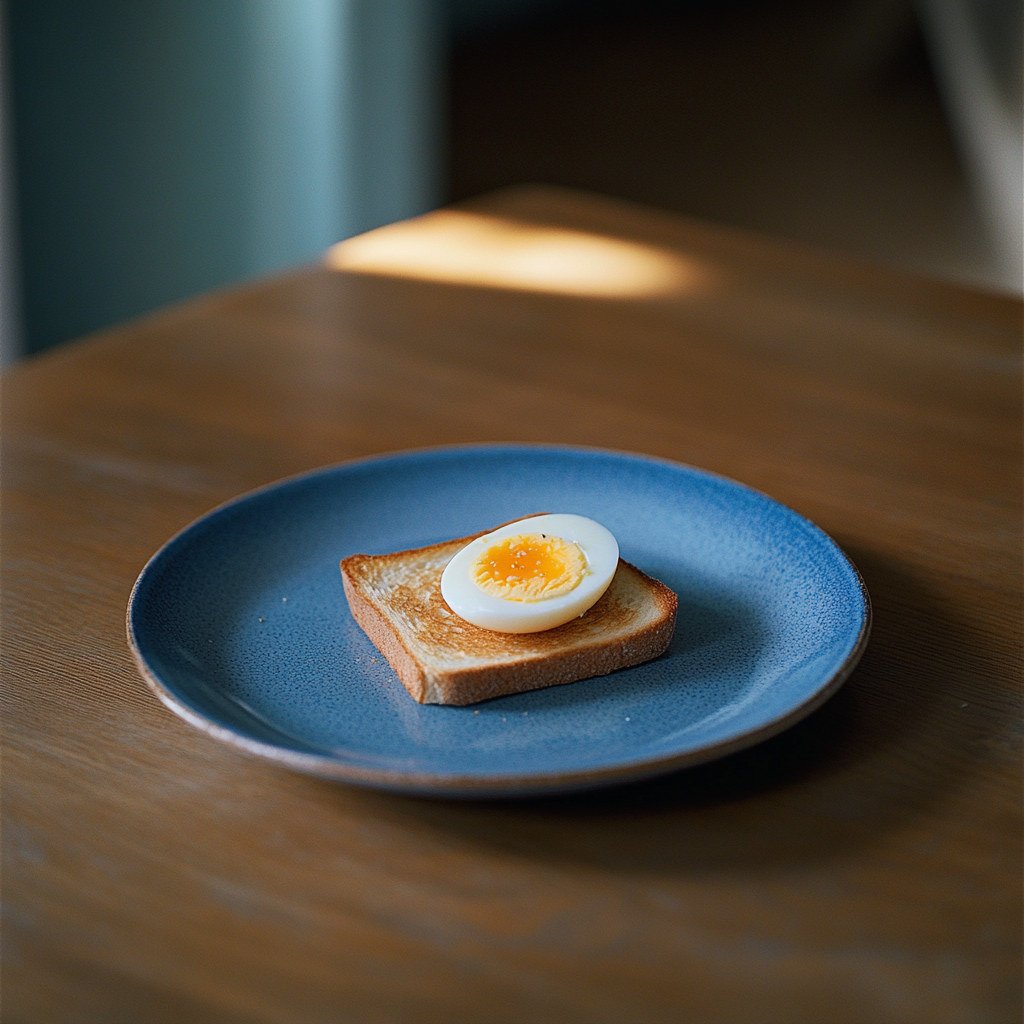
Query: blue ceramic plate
{"x": 240, "y": 623}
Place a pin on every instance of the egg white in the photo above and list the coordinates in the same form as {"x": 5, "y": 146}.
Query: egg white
{"x": 469, "y": 602}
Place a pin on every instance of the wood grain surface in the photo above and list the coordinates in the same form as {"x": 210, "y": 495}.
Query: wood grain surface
{"x": 863, "y": 867}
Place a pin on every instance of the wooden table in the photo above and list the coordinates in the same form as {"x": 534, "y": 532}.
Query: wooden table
{"x": 862, "y": 867}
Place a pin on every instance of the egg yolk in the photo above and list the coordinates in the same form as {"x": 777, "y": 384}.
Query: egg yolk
{"x": 529, "y": 567}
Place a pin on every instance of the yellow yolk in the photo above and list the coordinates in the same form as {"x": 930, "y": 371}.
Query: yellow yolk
{"x": 529, "y": 567}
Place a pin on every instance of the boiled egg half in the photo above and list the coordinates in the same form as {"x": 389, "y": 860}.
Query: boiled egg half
{"x": 531, "y": 575}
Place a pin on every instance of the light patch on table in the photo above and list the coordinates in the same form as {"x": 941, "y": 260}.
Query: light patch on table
{"x": 475, "y": 249}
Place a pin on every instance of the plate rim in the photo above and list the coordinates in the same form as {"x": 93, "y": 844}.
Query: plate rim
{"x": 517, "y": 784}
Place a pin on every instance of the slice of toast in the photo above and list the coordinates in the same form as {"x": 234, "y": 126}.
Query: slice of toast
{"x": 442, "y": 659}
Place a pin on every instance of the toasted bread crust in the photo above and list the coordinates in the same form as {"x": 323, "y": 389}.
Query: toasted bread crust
{"x": 386, "y": 639}
{"x": 614, "y": 634}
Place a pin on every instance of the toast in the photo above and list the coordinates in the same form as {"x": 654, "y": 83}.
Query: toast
{"x": 442, "y": 659}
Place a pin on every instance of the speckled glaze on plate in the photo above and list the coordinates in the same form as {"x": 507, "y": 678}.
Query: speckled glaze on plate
{"x": 240, "y": 624}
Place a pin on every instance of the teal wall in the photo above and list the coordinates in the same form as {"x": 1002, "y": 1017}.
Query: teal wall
{"x": 167, "y": 147}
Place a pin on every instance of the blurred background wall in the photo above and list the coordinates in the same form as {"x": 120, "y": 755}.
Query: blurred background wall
{"x": 172, "y": 146}
{"x": 156, "y": 150}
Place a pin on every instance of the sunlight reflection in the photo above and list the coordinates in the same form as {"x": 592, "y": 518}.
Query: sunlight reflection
{"x": 472, "y": 248}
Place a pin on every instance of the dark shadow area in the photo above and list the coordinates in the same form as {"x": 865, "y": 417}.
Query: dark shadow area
{"x": 887, "y": 747}
{"x": 819, "y": 122}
